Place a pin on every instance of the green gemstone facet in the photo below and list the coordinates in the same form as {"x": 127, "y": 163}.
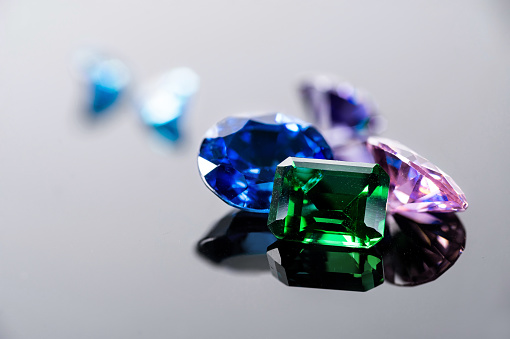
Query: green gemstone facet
{"x": 329, "y": 202}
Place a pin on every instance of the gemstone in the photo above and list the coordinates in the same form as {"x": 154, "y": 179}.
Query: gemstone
{"x": 336, "y": 105}
{"x": 107, "y": 78}
{"x": 420, "y": 247}
{"x": 327, "y": 267}
{"x": 238, "y": 156}
{"x": 329, "y": 202}
{"x": 415, "y": 183}
{"x": 237, "y": 234}
{"x": 164, "y": 102}
{"x": 354, "y": 151}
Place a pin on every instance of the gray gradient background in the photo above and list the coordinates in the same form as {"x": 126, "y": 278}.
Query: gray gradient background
{"x": 98, "y": 225}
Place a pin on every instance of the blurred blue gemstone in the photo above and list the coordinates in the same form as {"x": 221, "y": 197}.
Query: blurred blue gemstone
{"x": 238, "y": 156}
{"x": 163, "y": 104}
{"x": 107, "y": 78}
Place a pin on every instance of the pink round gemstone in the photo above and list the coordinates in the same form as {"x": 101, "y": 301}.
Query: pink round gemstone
{"x": 415, "y": 183}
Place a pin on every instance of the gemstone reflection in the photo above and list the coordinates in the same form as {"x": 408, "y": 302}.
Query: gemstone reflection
{"x": 326, "y": 267}
{"x": 237, "y": 234}
{"x": 420, "y": 247}
{"x": 417, "y": 248}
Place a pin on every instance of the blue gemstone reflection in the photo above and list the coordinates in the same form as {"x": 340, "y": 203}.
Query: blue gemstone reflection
{"x": 238, "y": 156}
{"x": 163, "y": 104}
{"x": 237, "y": 234}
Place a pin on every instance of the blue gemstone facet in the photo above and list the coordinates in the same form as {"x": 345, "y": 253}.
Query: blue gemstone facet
{"x": 238, "y": 156}
{"x": 163, "y": 104}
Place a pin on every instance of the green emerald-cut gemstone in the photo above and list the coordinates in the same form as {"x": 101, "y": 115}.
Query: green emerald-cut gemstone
{"x": 329, "y": 202}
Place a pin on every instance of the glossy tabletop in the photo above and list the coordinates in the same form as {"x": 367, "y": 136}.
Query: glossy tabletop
{"x": 100, "y": 221}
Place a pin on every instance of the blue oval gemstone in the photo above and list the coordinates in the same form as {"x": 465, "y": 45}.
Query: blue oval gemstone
{"x": 238, "y": 156}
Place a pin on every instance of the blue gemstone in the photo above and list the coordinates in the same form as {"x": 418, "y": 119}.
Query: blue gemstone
{"x": 108, "y": 79}
{"x": 238, "y": 156}
{"x": 164, "y": 103}
{"x": 103, "y": 97}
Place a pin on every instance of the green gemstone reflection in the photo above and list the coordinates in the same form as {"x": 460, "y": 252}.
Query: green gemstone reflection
{"x": 329, "y": 202}
{"x": 306, "y": 265}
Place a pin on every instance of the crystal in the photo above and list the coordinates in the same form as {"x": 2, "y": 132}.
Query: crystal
{"x": 329, "y": 202}
{"x": 339, "y": 106}
{"x": 238, "y": 156}
{"x": 415, "y": 183}
{"x": 163, "y": 103}
{"x": 308, "y": 265}
{"x": 237, "y": 234}
{"x": 420, "y": 247}
{"x": 107, "y": 77}
{"x": 354, "y": 151}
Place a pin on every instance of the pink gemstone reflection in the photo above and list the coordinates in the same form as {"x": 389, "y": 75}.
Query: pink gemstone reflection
{"x": 416, "y": 184}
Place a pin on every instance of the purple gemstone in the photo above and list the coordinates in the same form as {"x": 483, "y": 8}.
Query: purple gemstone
{"x": 420, "y": 247}
{"x": 416, "y": 185}
{"x": 354, "y": 151}
{"x": 333, "y": 103}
